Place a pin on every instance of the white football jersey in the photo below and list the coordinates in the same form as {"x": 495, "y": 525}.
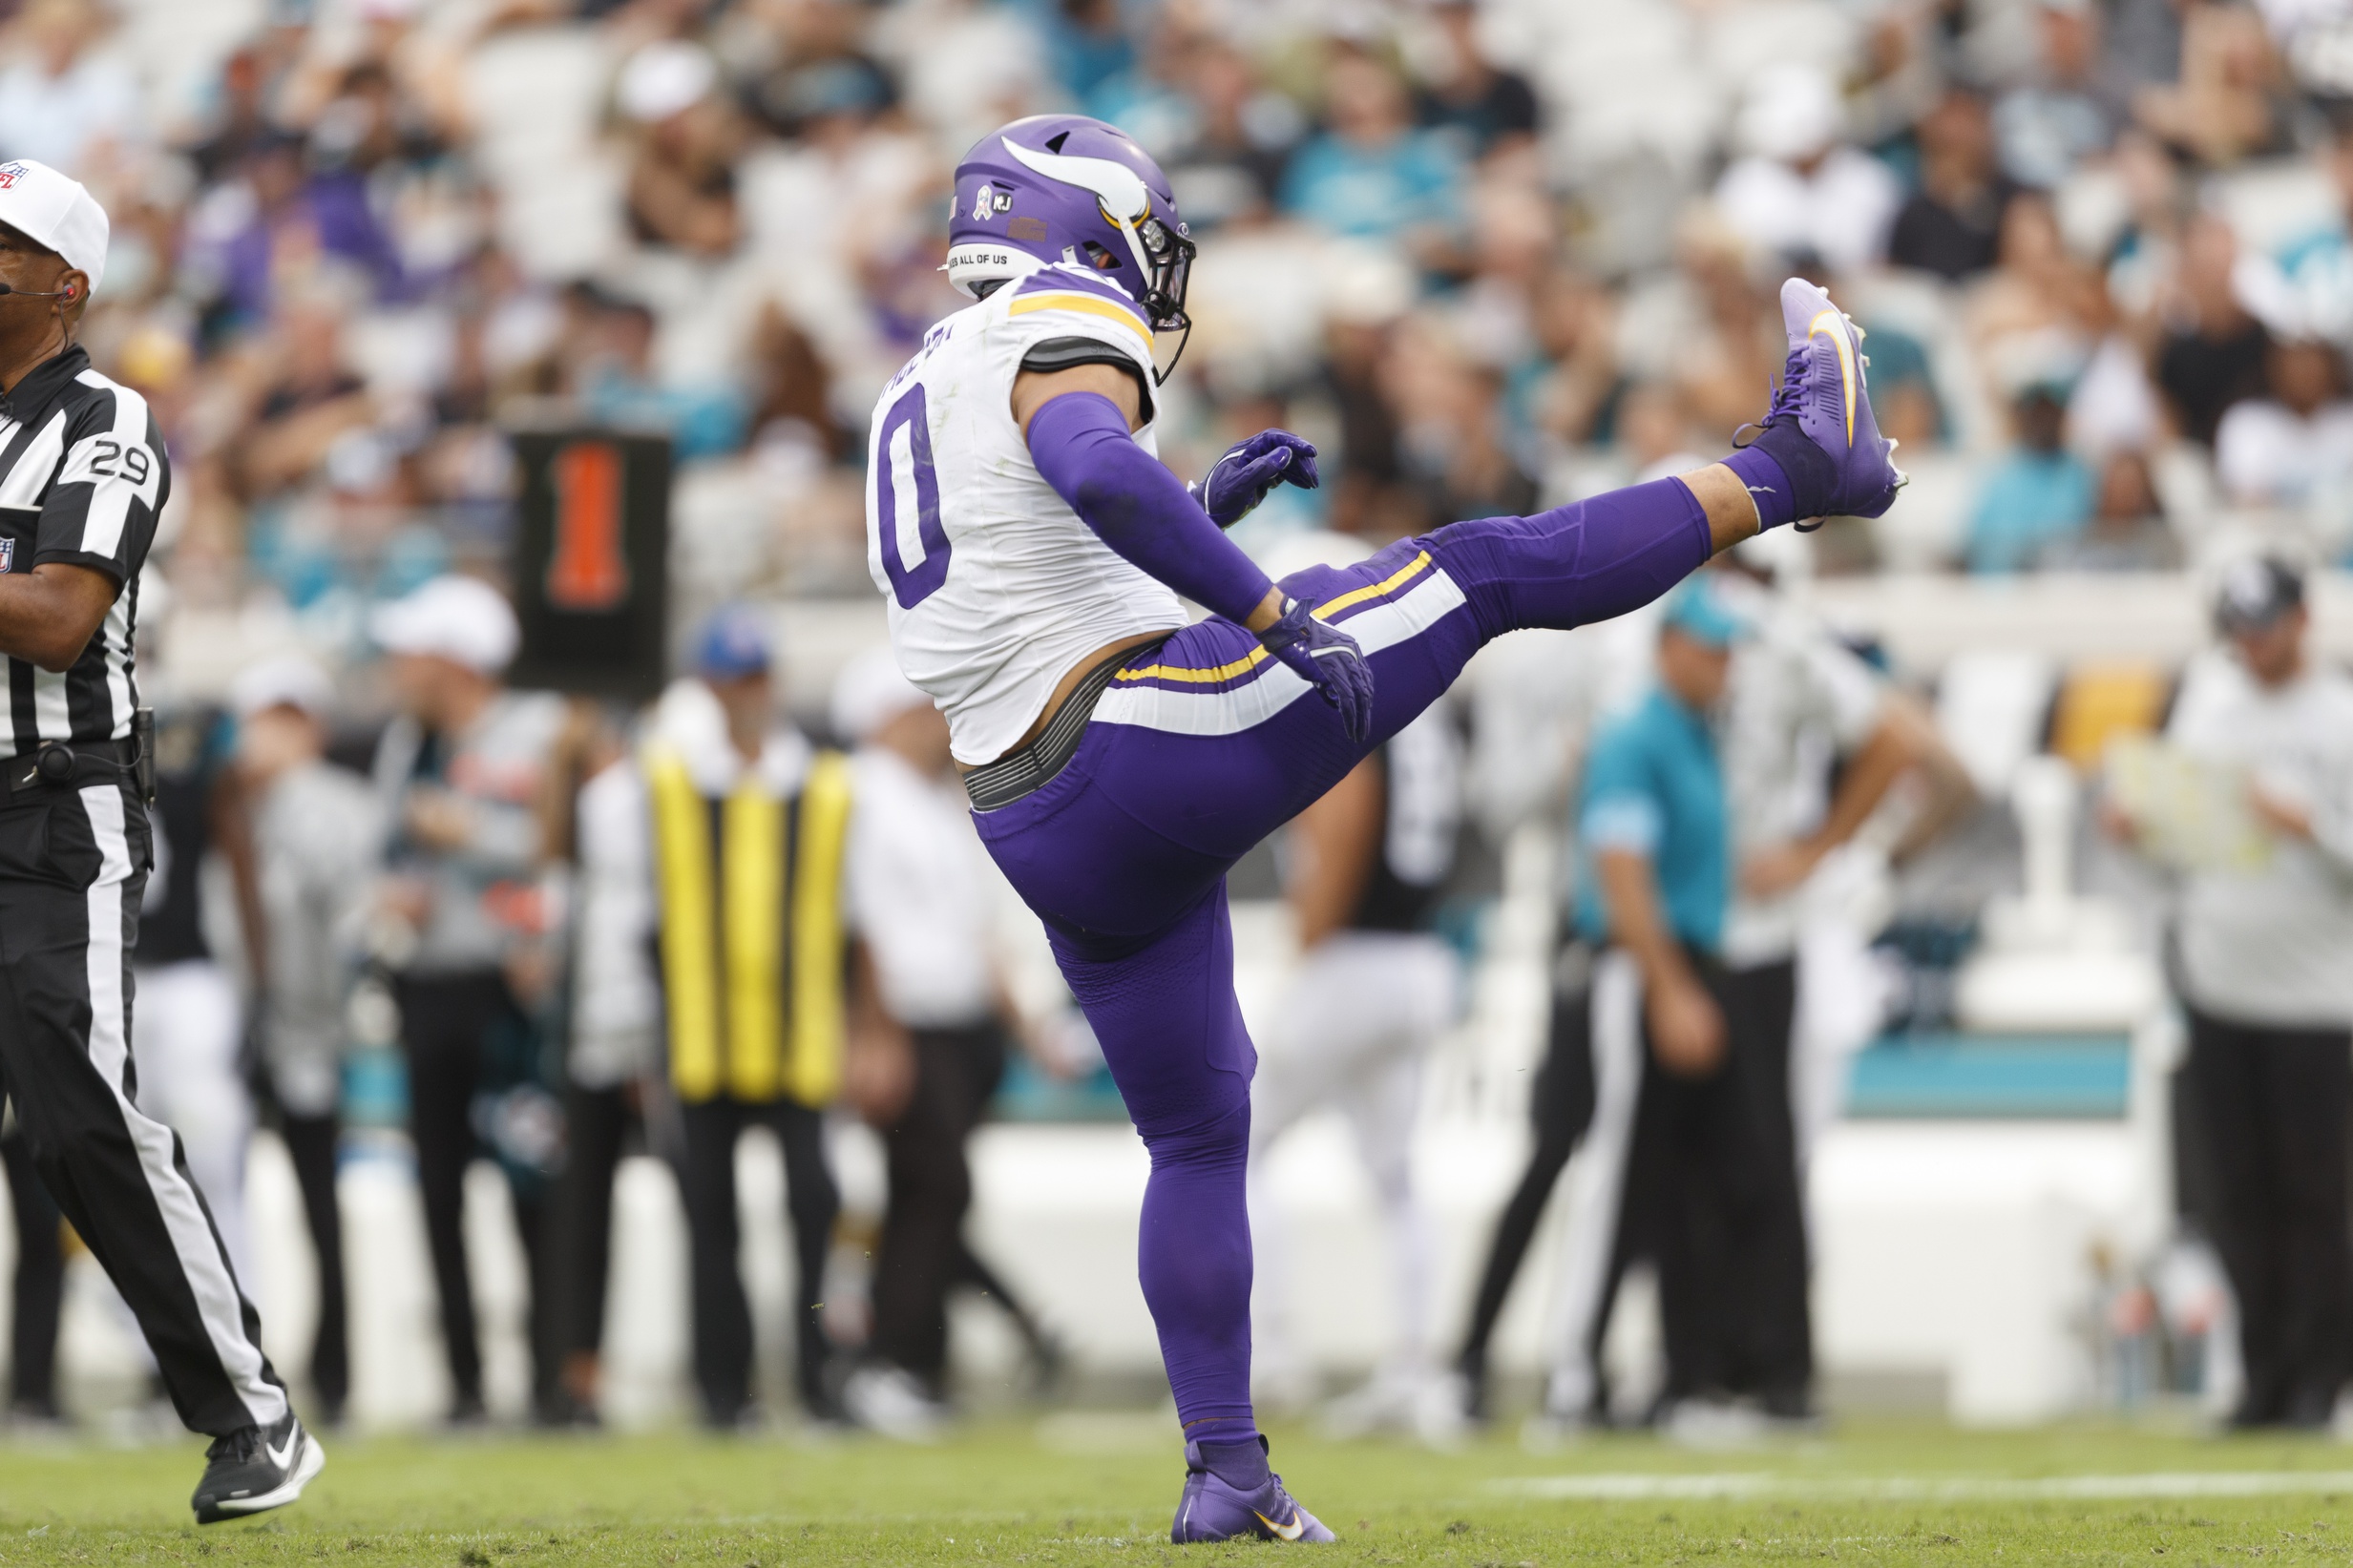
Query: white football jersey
{"x": 996, "y": 588}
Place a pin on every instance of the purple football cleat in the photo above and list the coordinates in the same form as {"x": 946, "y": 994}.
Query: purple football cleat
{"x": 1823, "y": 386}
{"x": 1214, "y": 1509}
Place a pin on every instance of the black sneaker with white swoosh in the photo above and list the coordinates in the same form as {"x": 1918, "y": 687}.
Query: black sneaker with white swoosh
{"x": 256, "y": 1469}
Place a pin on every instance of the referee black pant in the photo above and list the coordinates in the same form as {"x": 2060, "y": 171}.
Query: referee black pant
{"x": 1559, "y": 1109}
{"x": 1717, "y": 1157}
{"x": 38, "y": 1290}
{"x": 73, "y": 865}
{"x": 1705, "y": 1186}
{"x": 2272, "y": 1103}
{"x": 723, "y": 1334}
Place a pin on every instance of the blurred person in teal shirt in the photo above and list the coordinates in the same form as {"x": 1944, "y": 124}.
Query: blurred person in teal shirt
{"x": 1372, "y": 175}
{"x": 1655, "y": 872}
{"x": 1697, "y": 1179}
{"x": 2038, "y": 495}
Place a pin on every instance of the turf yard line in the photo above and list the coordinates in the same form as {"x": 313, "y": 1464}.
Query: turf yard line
{"x": 1748, "y": 1484}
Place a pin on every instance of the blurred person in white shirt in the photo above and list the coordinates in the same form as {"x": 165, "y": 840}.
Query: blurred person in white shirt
{"x": 923, "y": 896}
{"x": 2293, "y": 444}
{"x": 2265, "y": 966}
{"x": 1375, "y": 989}
{"x": 1800, "y": 191}
{"x": 317, "y": 834}
{"x": 460, "y": 917}
{"x": 64, "y": 98}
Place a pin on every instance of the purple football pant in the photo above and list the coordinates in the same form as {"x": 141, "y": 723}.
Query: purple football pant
{"x": 1199, "y": 748}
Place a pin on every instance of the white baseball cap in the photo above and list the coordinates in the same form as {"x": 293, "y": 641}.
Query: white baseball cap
{"x": 289, "y": 681}
{"x": 871, "y": 692}
{"x": 50, "y": 210}
{"x": 463, "y": 619}
{"x": 666, "y": 78}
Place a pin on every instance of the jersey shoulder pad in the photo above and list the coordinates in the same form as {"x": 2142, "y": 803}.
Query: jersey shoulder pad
{"x": 1062, "y": 301}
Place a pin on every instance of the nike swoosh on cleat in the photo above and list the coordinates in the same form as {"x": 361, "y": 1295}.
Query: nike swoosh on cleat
{"x": 1292, "y": 1531}
{"x": 282, "y": 1458}
{"x": 1846, "y": 362}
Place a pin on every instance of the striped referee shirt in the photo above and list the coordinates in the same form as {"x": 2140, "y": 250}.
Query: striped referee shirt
{"x": 82, "y": 478}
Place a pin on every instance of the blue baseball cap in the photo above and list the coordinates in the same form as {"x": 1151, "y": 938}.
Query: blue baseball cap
{"x": 732, "y": 644}
{"x": 1699, "y": 611}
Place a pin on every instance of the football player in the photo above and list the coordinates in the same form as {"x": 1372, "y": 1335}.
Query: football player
{"x": 1037, "y": 556}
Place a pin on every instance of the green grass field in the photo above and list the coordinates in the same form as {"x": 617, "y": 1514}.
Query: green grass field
{"x": 1080, "y": 1488}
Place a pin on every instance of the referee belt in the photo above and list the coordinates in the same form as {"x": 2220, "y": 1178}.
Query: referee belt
{"x": 61, "y": 765}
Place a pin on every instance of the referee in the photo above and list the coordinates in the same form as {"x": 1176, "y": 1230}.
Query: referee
{"x": 82, "y": 477}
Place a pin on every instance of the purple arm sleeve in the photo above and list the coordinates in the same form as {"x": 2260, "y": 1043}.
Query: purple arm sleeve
{"x": 1081, "y": 445}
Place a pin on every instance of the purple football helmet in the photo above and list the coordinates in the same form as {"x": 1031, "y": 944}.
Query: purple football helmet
{"x": 1065, "y": 188}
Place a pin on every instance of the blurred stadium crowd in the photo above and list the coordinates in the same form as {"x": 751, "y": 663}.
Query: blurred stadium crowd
{"x": 1489, "y": 257}
{"x": 1484, "y": 255}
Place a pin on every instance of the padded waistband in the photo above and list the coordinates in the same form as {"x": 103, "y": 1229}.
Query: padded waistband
{"x": 1026, "y": 769}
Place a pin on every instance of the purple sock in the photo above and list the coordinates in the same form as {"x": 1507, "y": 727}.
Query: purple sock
{"x": 1787, "y": 477}
{"x": 1769, "y": 487}
{"x": 1240, "y": 1465}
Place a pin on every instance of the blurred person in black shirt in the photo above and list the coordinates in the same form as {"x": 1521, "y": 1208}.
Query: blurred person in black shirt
{"x": 1952, "y": 224}
{"x": 1489, "y": 107}
{"x": 1231, "y": 168}
{"x": 2214, "y": 353}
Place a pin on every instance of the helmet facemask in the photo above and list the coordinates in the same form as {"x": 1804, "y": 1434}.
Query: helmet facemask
{"x": 1161, "y": 251}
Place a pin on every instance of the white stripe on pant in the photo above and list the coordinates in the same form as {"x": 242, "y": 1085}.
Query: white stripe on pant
{"x": 201, "y": 1257}
{"x": 71, "y": 866}
{"x": 1596, "y": 1184}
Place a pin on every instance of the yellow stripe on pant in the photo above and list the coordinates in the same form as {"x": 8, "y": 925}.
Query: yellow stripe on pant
{"x": 753, "y": 944}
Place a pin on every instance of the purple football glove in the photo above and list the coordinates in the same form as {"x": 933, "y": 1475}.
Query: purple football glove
{"x": 1329, "y": 659}
{"x": 1240, "y": 480}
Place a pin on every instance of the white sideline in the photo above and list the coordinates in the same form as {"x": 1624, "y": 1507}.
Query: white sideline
{"x": 2247, "y": 1483}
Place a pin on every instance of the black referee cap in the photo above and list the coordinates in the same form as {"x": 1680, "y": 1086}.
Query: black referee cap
{"x": 2256, "y": 593}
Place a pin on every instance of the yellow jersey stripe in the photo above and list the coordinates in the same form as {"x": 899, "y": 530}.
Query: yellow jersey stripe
{"x": 1388, "y": 585}
{"x": 1086, "y": 305}
{"x": 1172, "y": 671}
{"x": 1411, "y": 568}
